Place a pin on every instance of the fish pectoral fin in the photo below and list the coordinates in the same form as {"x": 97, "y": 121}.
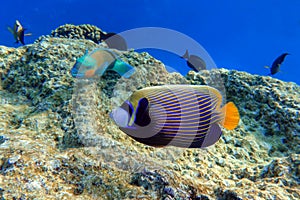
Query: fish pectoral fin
{"x": 90, "y": 73}
{"x": 10, "y": 29}
{"x": 232, "y": 116}
{"x": 102, "y": 69}
{"x": 267, "y": 67}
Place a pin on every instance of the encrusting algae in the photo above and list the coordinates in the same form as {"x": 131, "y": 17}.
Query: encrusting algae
{"x": 57, "y": 140}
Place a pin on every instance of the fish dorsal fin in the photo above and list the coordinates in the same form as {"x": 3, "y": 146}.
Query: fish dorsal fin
{"x": 232, "y": 116}
{"x": 185, "y": 55}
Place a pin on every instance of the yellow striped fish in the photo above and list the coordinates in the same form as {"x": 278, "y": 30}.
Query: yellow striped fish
{"x": 177, "y": 115}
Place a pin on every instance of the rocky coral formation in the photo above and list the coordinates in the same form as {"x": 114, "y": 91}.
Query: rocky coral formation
{"x": 84, "y": 31}
{"x": 268, "y": 106}
{"x": 58, "y": 142}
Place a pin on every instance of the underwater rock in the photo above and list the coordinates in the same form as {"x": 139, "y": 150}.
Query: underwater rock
{"x": 226, "y": 195}
{"x": 150, "y": 181}
{"x": 2, "y": 139}
{"x": 84, "y": 31}
{"x": 267, "y": 106}
{"x": 62, "y": 144}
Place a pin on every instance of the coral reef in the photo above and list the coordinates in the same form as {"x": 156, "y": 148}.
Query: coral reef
{"x": 84, "y": 31}
{"x": 57, "y": 140}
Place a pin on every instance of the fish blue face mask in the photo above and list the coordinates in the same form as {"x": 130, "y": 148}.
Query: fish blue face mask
{"x": 122, "y": 114}
{"x": 120, "y": 117}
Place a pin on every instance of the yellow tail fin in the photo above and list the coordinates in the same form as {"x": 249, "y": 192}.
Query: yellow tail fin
{"x": 232, "y": 116}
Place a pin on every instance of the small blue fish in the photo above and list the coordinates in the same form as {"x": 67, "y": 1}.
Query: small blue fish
{"x": 277, "y": 63}
{"x": 177, "y": 115}
{"x": 94, "y": 64}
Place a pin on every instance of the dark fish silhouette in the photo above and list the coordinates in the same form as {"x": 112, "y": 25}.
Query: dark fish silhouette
{"x": 18, "y": 32}
{"x": 177, "y": 115}
{"x": 114, "y": 41}
{"x": 276, "y": 64}
{"x": 194, "y": 62}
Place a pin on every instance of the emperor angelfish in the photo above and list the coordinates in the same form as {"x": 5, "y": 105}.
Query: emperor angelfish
{"x": 177, "y": 115}
{"x": 95, "y": 63}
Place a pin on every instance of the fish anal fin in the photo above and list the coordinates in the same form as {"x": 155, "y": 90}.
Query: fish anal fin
{"x": 213, "y": 135}
{"x": 232, "y": 116}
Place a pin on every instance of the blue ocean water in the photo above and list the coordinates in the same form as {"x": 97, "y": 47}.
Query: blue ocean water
{"x": 237, "y": 34}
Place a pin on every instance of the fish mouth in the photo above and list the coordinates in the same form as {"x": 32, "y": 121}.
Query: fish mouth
{"x": 76, "y": 74}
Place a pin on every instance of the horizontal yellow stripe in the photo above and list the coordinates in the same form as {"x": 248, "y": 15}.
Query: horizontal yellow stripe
{"x": 180, "y": 100}
{"x": 183, "y": 113}
{"x": 184, "y": 95}
{"x": 184, "y": 133}
{"x": 183, "y": 140}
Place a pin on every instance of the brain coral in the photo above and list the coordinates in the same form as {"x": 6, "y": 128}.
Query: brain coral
{"x": 84, "y": 31}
